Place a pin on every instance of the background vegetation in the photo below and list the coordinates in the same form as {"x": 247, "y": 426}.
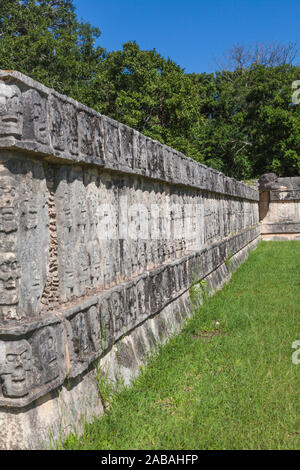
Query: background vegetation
{"x": 239, "y": 120}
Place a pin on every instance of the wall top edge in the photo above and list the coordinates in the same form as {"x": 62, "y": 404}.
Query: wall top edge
{"x": 39, "y": 120}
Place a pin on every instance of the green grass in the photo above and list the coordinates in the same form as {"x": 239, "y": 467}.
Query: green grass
{"x": 226, "y": 382}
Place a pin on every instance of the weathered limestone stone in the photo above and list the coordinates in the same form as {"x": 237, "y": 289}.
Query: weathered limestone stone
{"x": 102, "y": 232}
{"x": 279, "y": 209}
{"x": 268, "y": 181}
{"x": 11, "y": 110}
{"x": 30, "y": 367}
{"x": 24, "y": 240}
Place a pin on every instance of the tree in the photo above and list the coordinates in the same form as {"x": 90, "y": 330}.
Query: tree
{"x": 241, "y": 57}
{"x": 254, "y": 128}
{"x": 240, "y": 122}
{"x": 44, "y": 39}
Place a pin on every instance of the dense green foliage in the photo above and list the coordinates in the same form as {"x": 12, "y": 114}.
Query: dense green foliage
{"x": 241, "y": 121}
{"x": 228, "y": 381}
{"x": 254, "y": 127}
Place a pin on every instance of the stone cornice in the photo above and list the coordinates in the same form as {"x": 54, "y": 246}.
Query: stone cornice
{"x": 39, "y": 120}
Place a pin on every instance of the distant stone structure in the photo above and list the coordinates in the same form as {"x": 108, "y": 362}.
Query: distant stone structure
{"x": 279, "y": 207}
{"x": 102, "y": 233}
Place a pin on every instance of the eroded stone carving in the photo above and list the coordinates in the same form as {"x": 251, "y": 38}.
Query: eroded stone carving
{"x": 80, "y": 336}
{"x": 48, "y": 355}
{"x": 33, "y": 366}
{"x": 91, "y": 137}
{"x": 66, "y": 236}
{"x": 8, "y": 204}
{"x": 126, "y": 142}
{"x": 82, "y": 134}
{"x": 36, "y": 126}
{"x": 15, "y": 368}
{"x": 85, "y": 336}
{"x": 112, "y": 142}
{"x": 57, "y": 130}
{"x": 107, "y": 324}
{"x": 32, "y": 286}
{"x": 69, "y": 278}
{"x": 95, "y": 264}
{"x": 117, "y": 310}
{"x": 86, "y": 135}
{"x": 98, "y": 139}
{"x": 268, "y": 181}
{"x": 95, "y": 330}
{"x": 29, "y": 205}
{"x": 9, "y": 282}
{"x": 156, "y": 290}
{"x": 33, "y": 237}
{"x": 71, "y": 126}
{"x": 50, "y": 294}
{"x": 11, "y": 110}
{"x": 131, "y": 307}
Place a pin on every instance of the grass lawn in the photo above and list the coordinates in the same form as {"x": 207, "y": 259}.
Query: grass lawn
{"x": 226, "y": 382}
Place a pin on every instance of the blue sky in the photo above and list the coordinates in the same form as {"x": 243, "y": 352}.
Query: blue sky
{"x": 193, "y": 33}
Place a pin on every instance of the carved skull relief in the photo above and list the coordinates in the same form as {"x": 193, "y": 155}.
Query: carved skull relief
{"x": 8, "y": 279}
{"x": 47, "y": 348}
{"x": 83, "y": 269}
{"x": 8, "y": 204}
{"x": 36, "y": 124}
{"x": 36, "y": 281}
{"x": 80, "y": 338}
{"x": 11, "y": 110}
{"x": 15, "y": 368}
{"x": 40, "y": 118}
{"x": 58, "y": 132}
{"x": 95, "y": 328}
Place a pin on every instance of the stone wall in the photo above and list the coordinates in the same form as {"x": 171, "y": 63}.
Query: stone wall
{"x": 102, "y": 233}
{"x": 279, "y": 208}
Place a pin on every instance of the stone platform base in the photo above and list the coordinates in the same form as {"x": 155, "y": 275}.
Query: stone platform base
{"x": 45, "y": 422}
